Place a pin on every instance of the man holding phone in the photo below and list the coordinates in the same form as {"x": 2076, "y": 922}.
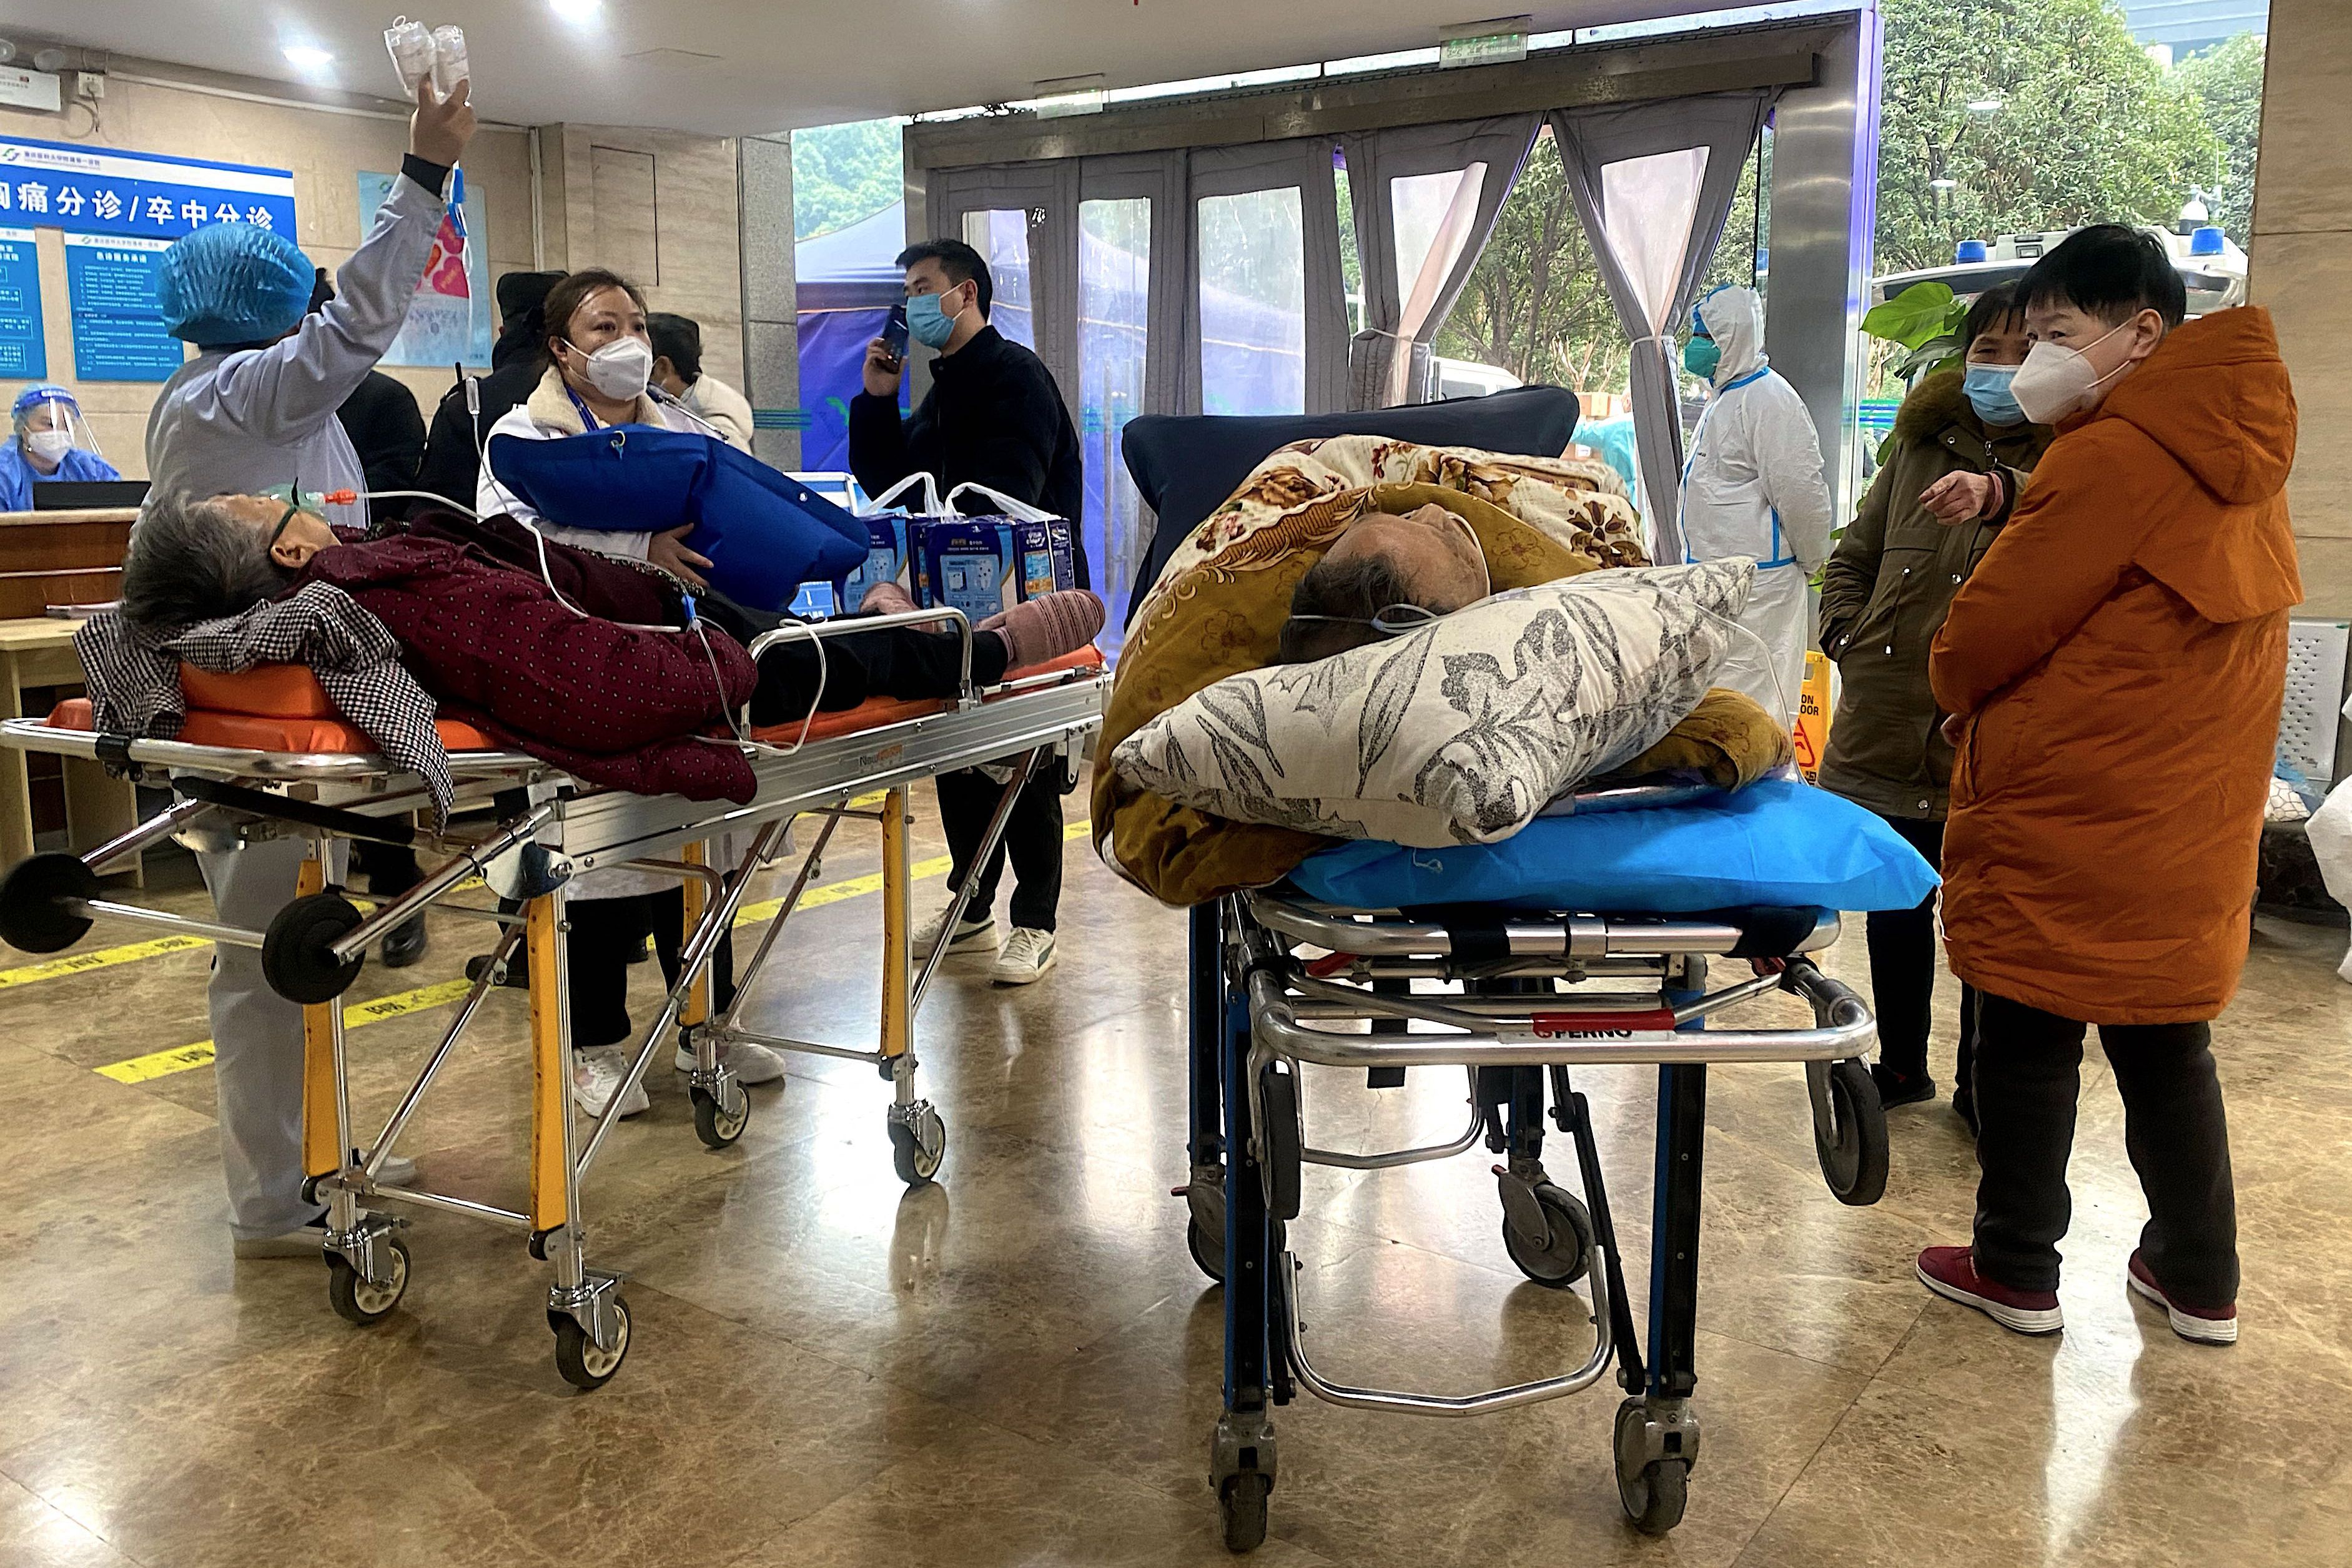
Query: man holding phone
{"x": 994, "y": 416}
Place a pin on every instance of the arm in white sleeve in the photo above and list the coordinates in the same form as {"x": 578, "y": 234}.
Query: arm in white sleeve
{"x": 1788, "y": 463}
{"x": 286, "y": 391}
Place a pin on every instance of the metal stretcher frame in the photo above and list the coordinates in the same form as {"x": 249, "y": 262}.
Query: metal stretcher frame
{"x": 1539, "y": 994}
{"x": 549, "y": 830}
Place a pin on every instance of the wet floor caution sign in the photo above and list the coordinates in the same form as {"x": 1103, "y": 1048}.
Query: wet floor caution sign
{"x": 1814, "y": 703}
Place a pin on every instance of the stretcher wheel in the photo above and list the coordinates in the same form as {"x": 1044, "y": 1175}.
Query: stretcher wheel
{"x": 296, "y": 959}
{"x": 1853, "y": 1148}
{"x": 1653, "y": 1492}
{"x": 720, "y": 1127}
{"x": 1241, "y": 1502}
{"x": 1204, "y": 1230}
{"x": 33, "y": 915}
{"x": 1568, "y": 1256}
{"x": 918, "y": 1145}
{"x": 357, "y": 1301}
{"x": 584, "y": 1363}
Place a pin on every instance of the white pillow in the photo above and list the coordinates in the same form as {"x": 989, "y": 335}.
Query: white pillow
{"x": 1459, "y": 732}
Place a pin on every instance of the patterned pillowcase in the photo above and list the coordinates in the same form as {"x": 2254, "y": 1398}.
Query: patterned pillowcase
{"x": 1459, "y": 733}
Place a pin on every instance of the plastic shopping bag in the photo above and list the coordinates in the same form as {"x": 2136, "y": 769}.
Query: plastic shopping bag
{"x": 2331, "y": 845}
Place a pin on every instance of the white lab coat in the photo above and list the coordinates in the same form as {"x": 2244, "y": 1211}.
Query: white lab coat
{"x": 1752, "y": 486}
{"x": 545, "y": 415}
{"x": 235, "y": 421}
{"x": 728, "y": 410}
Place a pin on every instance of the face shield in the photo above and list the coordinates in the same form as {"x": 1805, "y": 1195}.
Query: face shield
{"x": 48, "y": 425}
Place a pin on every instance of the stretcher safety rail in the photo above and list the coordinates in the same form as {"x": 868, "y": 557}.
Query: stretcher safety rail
{"x": 543, "y": 830}
{"x": 1519, "y": 1000}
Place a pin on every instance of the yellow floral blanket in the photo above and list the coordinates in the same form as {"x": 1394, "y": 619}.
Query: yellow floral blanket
{"x": 1219, "y": 604}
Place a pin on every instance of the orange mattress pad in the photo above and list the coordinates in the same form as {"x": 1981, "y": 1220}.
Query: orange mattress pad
{"x": 282, "y": 707}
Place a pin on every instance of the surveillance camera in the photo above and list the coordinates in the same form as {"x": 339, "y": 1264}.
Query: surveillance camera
{"x": 50, "y": 61}
{"x": 7, "y": 51}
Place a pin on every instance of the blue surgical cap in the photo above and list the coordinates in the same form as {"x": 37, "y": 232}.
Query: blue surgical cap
{"x": 32, "y": 395}
{"x": 233, "y": 283}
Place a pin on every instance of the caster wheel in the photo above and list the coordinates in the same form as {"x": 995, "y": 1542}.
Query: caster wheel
{"x": 1569, "y": 1256}
{"x": 584, "y": 1363}
{"x": 33, "y": 916}
{"x": 918, "y": 1145}
{"x": 1653, "y": 1493}
{"x": 357, "y": 1301}
{"x": 1208, "y": 1251}
{"x": 1853, "y": 1148}
{"x": 1204, "y": 1229}
{"x": 295, "y": 956}
{"x": 718, "y": 1127}
{"x": 1241, "y": 1502}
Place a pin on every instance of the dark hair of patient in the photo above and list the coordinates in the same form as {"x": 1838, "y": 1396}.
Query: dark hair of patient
{"x": 1357, "y": 588}
{"x": 189, "y": 562}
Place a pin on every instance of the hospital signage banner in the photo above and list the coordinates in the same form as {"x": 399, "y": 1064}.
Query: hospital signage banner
{"x": 147, "y": 195}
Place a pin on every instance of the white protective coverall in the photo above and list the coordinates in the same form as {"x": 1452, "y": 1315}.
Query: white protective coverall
{"x": 1752, "y": 486}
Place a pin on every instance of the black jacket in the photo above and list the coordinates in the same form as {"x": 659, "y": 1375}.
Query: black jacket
{"x": 452, "y": 456}
{"x": 382, "y": 419}
{"x": 993, "y": 416}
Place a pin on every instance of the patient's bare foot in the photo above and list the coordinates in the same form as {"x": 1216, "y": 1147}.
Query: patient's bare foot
{"x": 887, "y": 597}
{"x": 1048, "y": 626}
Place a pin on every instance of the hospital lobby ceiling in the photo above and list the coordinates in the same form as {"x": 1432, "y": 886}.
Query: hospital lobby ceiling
{"x": 744, "y": 67}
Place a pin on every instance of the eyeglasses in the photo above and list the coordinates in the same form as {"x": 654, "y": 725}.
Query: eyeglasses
{"x": 1394, "y": 622}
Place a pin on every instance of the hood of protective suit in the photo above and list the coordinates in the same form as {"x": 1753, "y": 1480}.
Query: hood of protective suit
{"x": 1734, "y": 318}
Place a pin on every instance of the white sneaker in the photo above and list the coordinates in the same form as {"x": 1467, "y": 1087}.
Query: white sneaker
{"x": 1028, "y": 954}
{"x": 752, "y": 1063}
{"x": 969, "y": 933}
{"x": 303, "y": 1242}
{"x": 596, "y": 1073}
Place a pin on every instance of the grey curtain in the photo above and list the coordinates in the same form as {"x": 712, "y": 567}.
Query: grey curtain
{"x": 1653, "y": 208}
{"x": 1375, "y": 158}
{"x": 1048, "y": 194}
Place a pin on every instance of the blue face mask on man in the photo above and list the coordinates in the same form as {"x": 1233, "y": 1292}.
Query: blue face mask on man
{"x": 1989, "y": 394}
{"x": 1701, "y": 356}
{"x": 926, "y": 322}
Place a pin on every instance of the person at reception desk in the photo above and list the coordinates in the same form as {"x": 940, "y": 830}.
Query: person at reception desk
{"x": 49, "y": 439}
{"x": 256, "y": 408}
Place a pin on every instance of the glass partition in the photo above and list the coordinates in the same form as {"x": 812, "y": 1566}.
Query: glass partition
{"x": 1113, "y": 328}
{"x": 1002, "y": 236}
{"x": 1253, "y": 295}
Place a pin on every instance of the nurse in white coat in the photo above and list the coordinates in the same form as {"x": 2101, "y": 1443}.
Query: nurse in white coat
{"x": 1752, "y": 486}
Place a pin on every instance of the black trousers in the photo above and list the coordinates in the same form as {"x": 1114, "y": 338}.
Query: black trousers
{"x": 2028, "y": 1074}
{"x": 895, "y": 661}
{"x": 391, "y": 868}
{"x": 1903, "y": 968}
{"x": 604, "y": 933}
{"x": 1033, "y": 837}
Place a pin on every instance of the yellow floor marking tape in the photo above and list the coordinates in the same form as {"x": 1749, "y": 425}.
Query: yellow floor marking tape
{"x": 180, "y": 1058}
{"x": 104, "y": 958}
{"x": 164, "y": 1063}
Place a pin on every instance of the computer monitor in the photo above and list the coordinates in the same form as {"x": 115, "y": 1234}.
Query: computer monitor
{"x": 77, "y": 495}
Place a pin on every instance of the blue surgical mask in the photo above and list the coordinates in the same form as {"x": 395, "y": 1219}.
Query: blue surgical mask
{"x": 927, "y": 323}
{"x": 1700, "y": 356}
{"x": 1989, "y": 394}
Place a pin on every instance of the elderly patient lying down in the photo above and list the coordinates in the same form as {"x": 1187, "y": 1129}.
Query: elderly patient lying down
{"x": 592, "y": 662}
{"x": 1406, "y": 663}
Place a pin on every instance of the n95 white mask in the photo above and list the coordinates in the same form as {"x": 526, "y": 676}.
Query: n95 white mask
{"x": 2055, "y": 382}
{"x": 619, "y": 368}
{"x": 49, "y": 445}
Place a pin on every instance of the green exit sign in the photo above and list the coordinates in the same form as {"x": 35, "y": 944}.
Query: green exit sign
{"x": 1495, "y": 41}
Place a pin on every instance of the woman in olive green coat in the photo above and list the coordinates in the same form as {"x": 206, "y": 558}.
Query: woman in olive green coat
{"x": 1883, "y": 595}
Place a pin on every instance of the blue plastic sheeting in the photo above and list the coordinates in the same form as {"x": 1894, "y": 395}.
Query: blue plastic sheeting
{"x": 1776, "y": 842}
{"x": 765, "y": 533}
{"x": 833, "y": 371}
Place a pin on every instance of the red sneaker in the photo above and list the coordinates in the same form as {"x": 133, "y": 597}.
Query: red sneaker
{"x": 1951, "y": 1273}
{"x": 2198, "y": 1326}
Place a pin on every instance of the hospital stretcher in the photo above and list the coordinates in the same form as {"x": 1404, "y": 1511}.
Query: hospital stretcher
{"x": 1519, "y": 998}
{"x": 263, "y": 755}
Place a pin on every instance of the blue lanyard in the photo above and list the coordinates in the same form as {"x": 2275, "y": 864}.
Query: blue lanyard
{"x": 588, "y": 420}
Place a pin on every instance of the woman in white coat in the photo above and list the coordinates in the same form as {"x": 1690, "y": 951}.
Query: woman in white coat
{"x": 599, "y": 359}
{"x": 1752, "y": 486}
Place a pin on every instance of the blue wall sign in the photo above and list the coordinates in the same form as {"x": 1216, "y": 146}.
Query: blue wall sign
{"x": 95, "y": 191}
{"x": 24, "y": 352}
{"x": 118, "y": 331}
